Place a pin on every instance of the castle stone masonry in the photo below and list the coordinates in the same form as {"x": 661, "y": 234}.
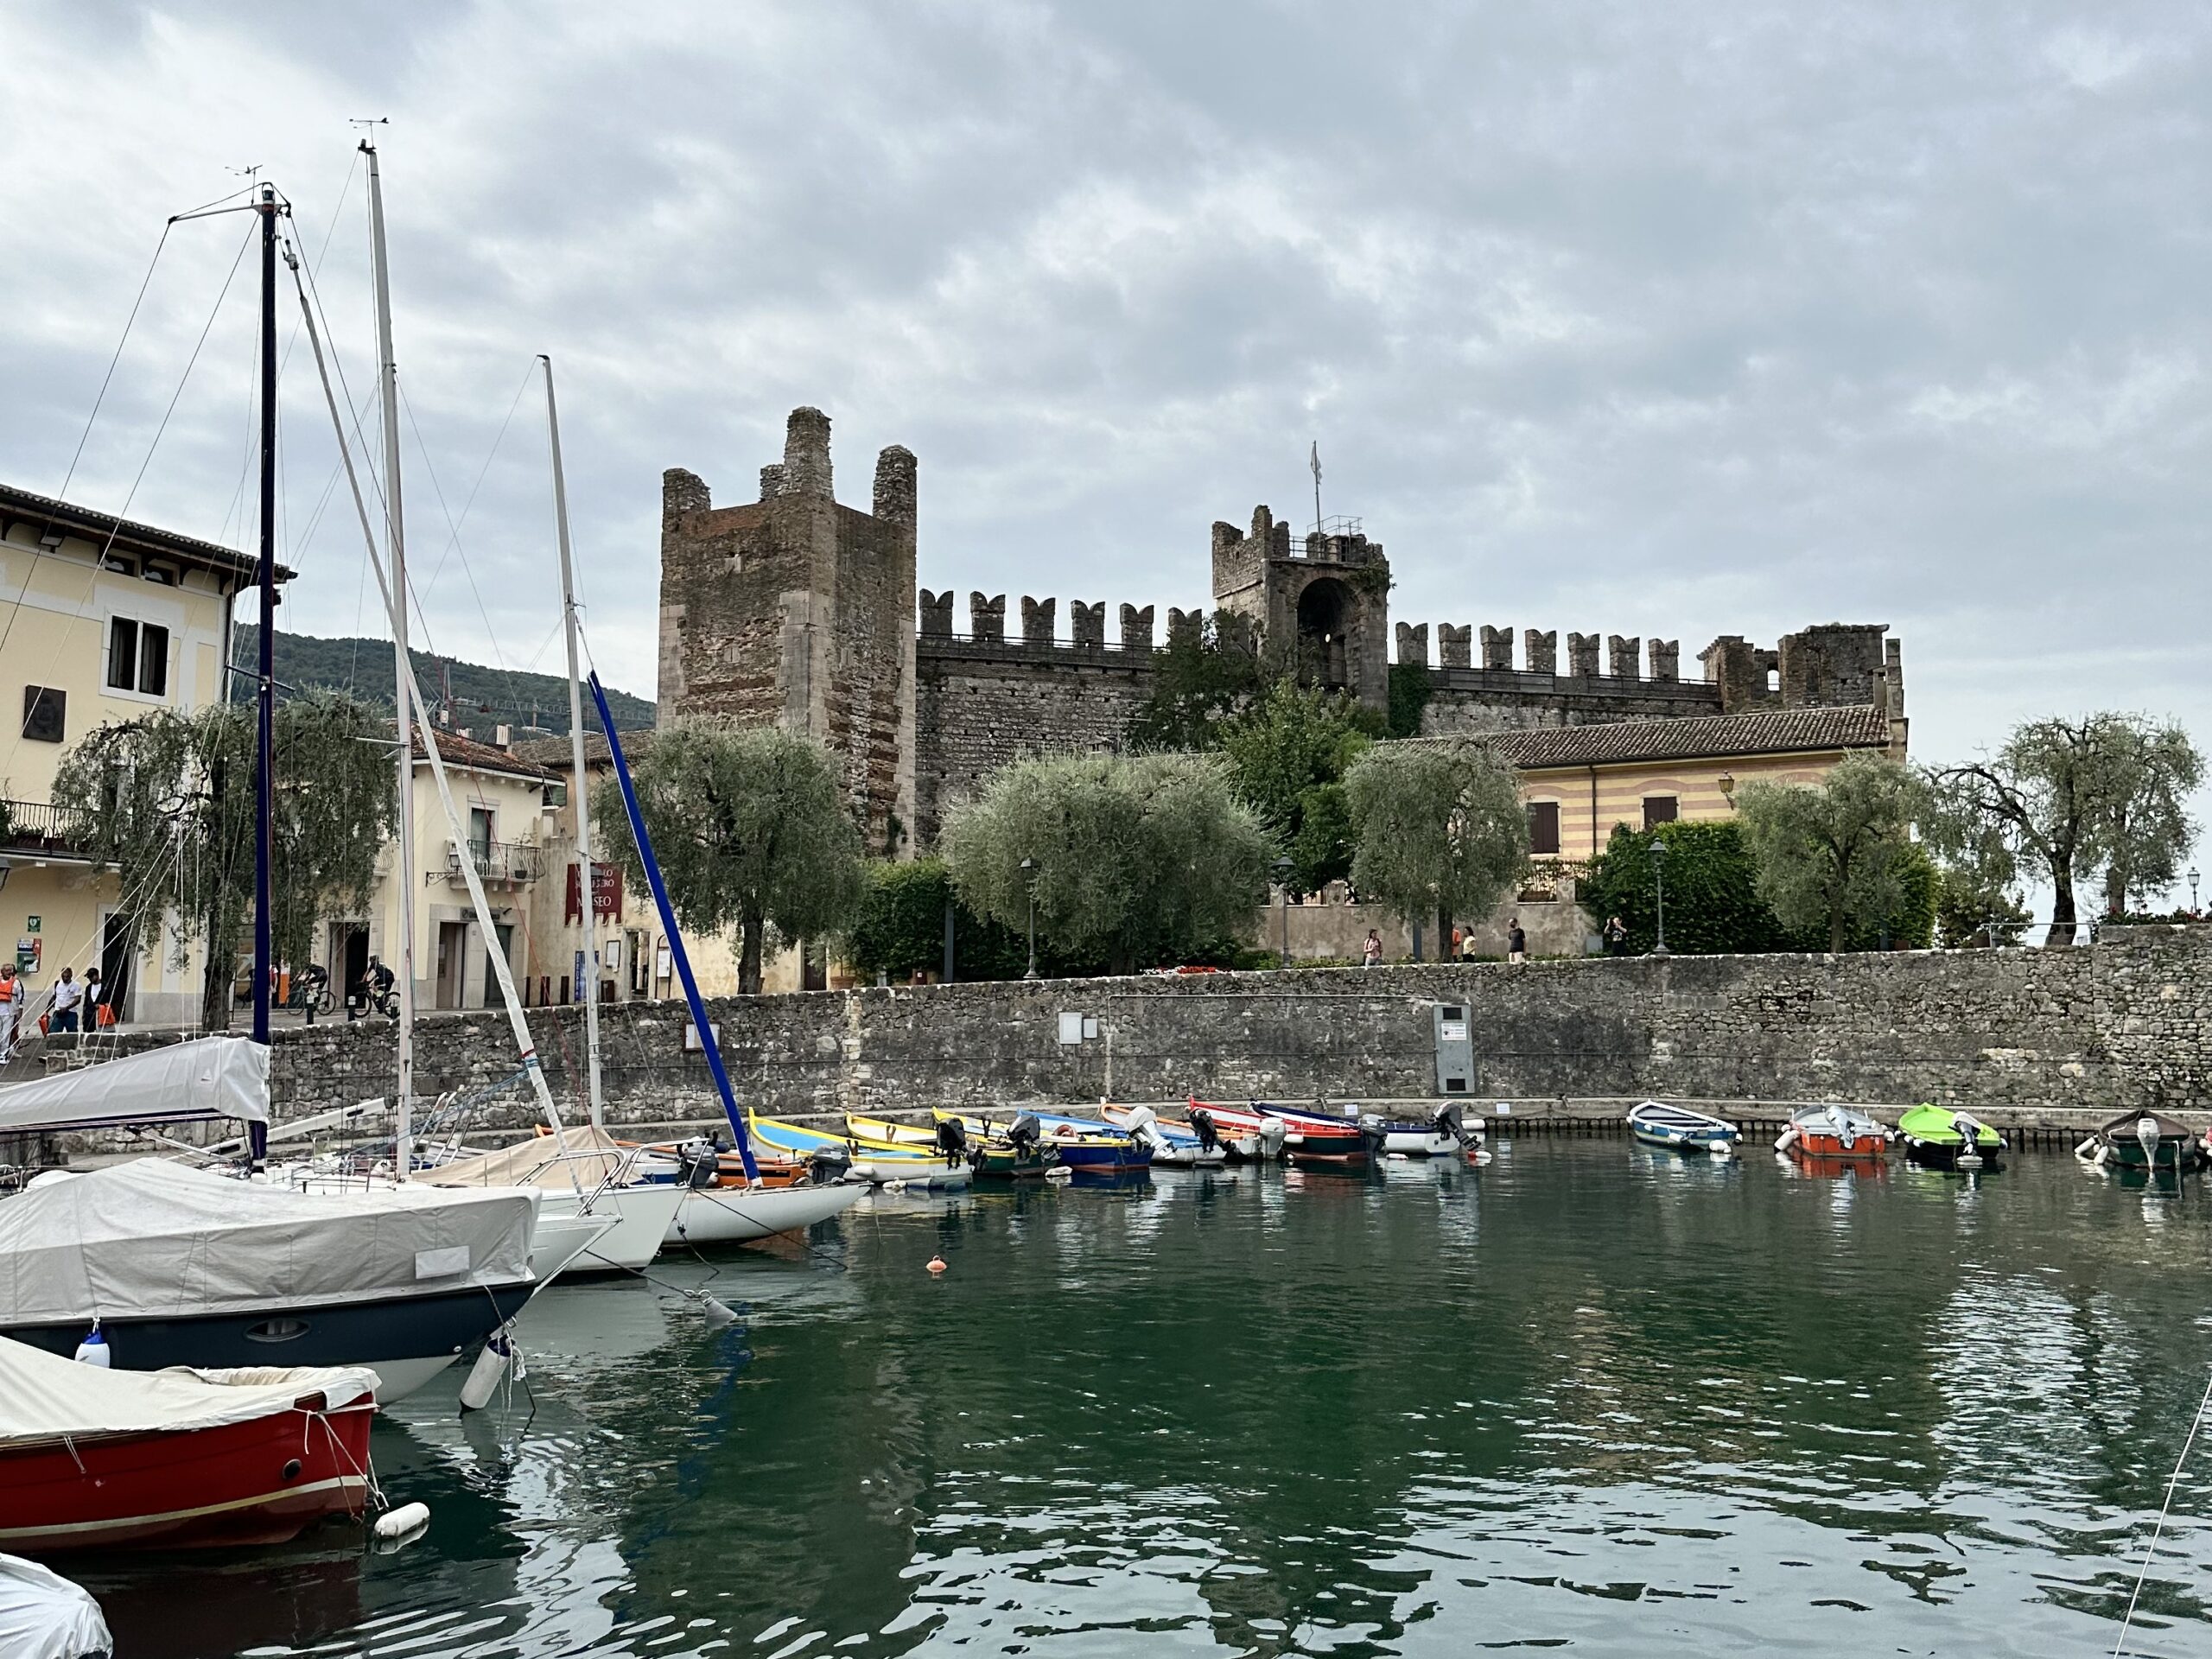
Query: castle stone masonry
{"x": 797, "y": 611}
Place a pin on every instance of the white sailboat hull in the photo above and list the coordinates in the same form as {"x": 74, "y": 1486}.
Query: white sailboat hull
{"x": 642, "y": 1218}
{"x": 733, "y": 1215}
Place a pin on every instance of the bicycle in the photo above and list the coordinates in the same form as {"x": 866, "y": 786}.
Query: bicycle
{"x": 310, "y": 988}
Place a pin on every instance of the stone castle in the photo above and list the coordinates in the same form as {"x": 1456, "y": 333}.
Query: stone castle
{"x": 797, "y": 611}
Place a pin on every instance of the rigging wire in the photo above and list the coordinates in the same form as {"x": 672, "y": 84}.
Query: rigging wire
{"x": 2150, "y": 1549}
{"x": 16, "y": 609}
{"x": 101, "y": 396}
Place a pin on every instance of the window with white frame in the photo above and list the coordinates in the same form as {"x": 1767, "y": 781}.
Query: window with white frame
{"x": 137, "y": 657}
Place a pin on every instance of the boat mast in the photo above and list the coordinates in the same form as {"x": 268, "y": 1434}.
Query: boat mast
{"x": 265, "y": 695}
{"x": 396, "y": 540}
{"x": 588, "y": 959}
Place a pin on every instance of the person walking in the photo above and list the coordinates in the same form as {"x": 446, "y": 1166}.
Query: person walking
{"x": 1371, "y": 952}
{"x": 11, "y": 1008}
{"x": 1616, "y": 936}
{"x": 1517, "y": 943}
{"x": 96, "y": 1008}
{"x": 1467, "y": 945}
{"x": 68, "y": 997}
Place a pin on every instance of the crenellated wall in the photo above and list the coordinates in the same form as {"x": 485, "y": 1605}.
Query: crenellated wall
{"x": 982, "y": 700}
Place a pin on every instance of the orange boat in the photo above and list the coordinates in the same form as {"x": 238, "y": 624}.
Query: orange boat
{"x": 1835, "y": 1132}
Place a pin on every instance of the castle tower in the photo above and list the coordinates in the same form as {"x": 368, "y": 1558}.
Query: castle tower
{"x": 794, "y": 610}
{"x": 1321, "y": 607}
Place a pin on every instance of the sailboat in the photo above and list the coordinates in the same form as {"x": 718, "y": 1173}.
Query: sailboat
{"x": 172, "y": 1266}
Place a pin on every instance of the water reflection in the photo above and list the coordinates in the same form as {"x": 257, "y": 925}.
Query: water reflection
{"x": 1588, "y": 1395}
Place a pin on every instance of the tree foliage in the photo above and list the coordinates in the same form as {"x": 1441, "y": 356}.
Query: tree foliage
{"x": 1412, "y": 686}
{"x": 1976, "y": 906}
{"x": 750, "y": 831}
{"x": 900, "y": 931}
{"x": 1142, "y": 859}
{"x": 2069, "y": 798}
{"x": 1714, "y": 906}
{"x": 1439, "y": 829}
{"x": 1204, "y": 678}
{"x": 167, "y": 802}
{"x": 1286, "y": 755}
{"x": 1833, "y": 855}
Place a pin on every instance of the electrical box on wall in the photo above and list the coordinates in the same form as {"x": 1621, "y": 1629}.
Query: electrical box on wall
{"x": 1455, "y": 1049}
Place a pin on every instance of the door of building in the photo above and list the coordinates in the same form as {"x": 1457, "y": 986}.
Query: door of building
{"x": 506, "y": 933}
{"x": 118, "y": 958}
{"x": 453, "y": 961}
{"x": 349, "y": 959}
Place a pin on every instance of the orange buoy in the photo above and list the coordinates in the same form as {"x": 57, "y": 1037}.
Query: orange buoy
{"x": 937, "y": 1264}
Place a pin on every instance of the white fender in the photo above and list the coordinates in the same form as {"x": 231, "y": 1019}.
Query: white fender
{"x": 484, "y": 1376}
{"x": 1787, "y": 1139}
{"x": 400, "y": 1523}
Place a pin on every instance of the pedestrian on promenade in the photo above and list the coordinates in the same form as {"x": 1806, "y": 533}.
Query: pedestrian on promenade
{"x": 1467, "y": 944}
{"x": 96, "y": 1013}
{"x": 68, "y": 995}
{"x": 1517, "y": 943}
{"x": 1616, "y": 935}
{"x": 1371, "y": 952}
{"x": 11, "y": 1008}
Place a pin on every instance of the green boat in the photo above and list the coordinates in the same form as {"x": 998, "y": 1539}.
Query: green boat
{"x": 2145, "y": 1141}
{"x": 1942, "y": 1139}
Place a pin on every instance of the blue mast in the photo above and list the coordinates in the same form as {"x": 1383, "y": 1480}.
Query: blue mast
{"x": 674, "y": 934}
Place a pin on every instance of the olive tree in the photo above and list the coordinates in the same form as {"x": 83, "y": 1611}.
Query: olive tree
{"x": 167, "y": 801}
{"x": 751, "y": 833}
{"x": 1834, "y": 854}
{"x": 2069, "y": 798}
{"x": 1140, "y": 858}
{"x": 1437, "y": 829}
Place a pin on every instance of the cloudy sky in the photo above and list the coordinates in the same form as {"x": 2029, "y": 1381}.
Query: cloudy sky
{"x": 1664, "y": 321}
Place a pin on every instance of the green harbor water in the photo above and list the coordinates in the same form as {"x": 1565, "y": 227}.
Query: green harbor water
{"x": 1588, "y": 1397}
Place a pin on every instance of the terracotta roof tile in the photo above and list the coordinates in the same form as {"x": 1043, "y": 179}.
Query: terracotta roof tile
{"x": 1782, "y": 731}
{"x": 459, "y": 751}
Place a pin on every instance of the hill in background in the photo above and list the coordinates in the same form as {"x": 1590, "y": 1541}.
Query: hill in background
{"x": 480, "y": 698}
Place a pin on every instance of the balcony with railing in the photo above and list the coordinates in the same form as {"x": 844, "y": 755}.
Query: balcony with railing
{"x": 41, "y": 829}
{"x": 497, "y": 863}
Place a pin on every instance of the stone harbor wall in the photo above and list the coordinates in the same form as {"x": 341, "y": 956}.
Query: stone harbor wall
{"x": 2025, "y": 1036}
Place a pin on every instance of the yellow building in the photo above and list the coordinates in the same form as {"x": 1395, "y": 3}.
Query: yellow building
{"x": 507, "y": 805}
{"x": 1580, "y": 781}
{"x": 101, "y": 620}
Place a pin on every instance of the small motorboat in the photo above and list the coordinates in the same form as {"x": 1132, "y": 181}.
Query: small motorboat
{"x": 2145, "y": 1141}
{"x": 1680, "y": 1129}
{"x": 1249, "y": 1136}
{"x": 1942, "y": 1139}
{"x": 1835, "y": 1132}
{"x": 91, "y": 1458}
{"x": 1086, "y": 1146}
{"x": 1017, "y": 1152}
{"x": 1445, "y": 1136}
{"x": 1315, "y": 1140}
{"x": 1198, "y": 1147}
{"x": 912, "y": 1166}
{"x": 43, "y": 1615}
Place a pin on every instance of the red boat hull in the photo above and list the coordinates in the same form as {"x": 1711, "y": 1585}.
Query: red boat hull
{"x": 1865, "y": 1148}
{"x": 259, "y": 1482}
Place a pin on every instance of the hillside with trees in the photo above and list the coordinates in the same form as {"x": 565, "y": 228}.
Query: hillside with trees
{"x": 482, "y": 697}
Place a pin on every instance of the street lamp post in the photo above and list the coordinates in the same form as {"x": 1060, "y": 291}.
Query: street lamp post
{"x": 1029, "y": 885}
{"x": 1283, "y": 867}
{"x": 2192, "y": 888}
{"x": 1659, "y": 881}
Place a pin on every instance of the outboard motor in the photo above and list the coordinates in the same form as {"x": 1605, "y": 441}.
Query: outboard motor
{"x": 1452, "y": 1119}
{"x": 1272, "y": 1133}
{"x": 699, "y": 1162}
{"x": 1202, "y": 1126}
{"x": 1969, "y": 1154}
{"x": 952, "y": 1139}
{"x": 2147, "y": 1135}
{"x": 829, "y": 1165}
{"x": 1025, "y": 1134}
{"x": 1141, "y": 1125}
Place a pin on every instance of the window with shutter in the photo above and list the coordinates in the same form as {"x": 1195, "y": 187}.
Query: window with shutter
{"x": 1659, "y": 809}
{"x": 1543, "y": 826}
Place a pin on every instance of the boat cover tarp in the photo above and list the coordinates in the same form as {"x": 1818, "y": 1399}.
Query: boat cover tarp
{"x": 154, "y": 1239}
{"x": 43, "y": 1615}
{"x": 207, "y": 1077}
{"x": 1836, "y": 1119}
{"x": 1678, "y": 1117}
{"x": 581, "y": 1156}
{"x": 44, "y": 1397}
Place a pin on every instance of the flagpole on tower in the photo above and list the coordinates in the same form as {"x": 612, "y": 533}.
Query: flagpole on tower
{"x": 1316, "y": 487}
